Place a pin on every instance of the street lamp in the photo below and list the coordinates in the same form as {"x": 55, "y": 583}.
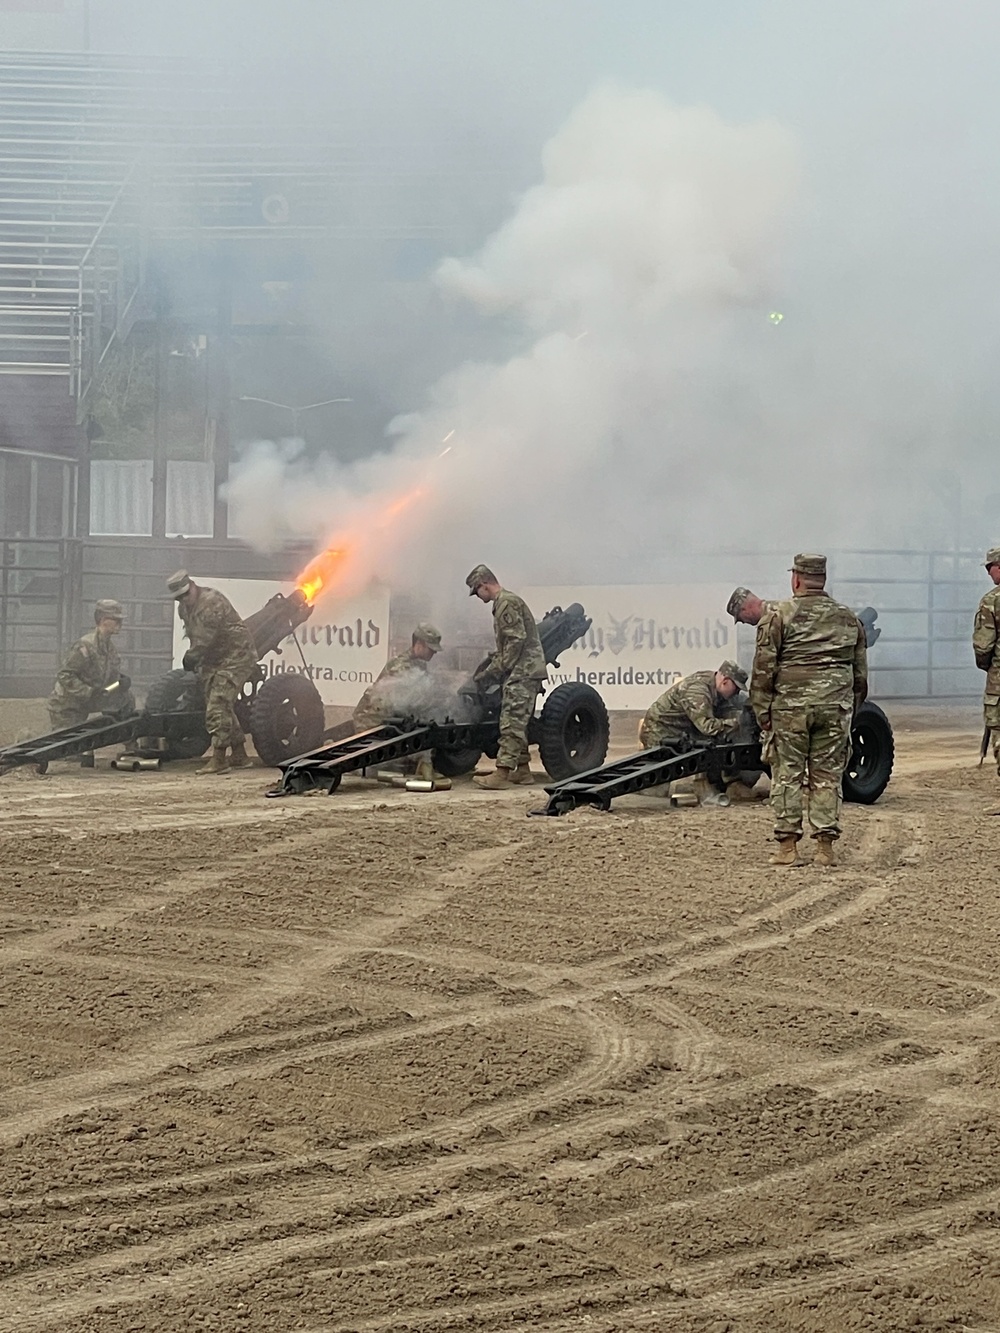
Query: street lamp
{"x": 295, "y": 411}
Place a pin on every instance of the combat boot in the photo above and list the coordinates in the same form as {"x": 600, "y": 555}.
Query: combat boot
{"x": 239, "y": 757}
{"x": 494, "y": 781}
{"x": 523, "y": 776}
{"x": 788, "y": 851}
{"x": 217, "y": 763}
{"x": 825, "y": 855}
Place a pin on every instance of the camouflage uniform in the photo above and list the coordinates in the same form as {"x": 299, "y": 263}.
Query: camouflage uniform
{"x": 224, "y": 656}
{"x": 376, "y": 704}
{"x": 90, "y": 665}
{"x": 687, "y": 714}
{"x": 810, "y": 673}
{"x": 986, "y": 645}
{"x": 519, "y": 666}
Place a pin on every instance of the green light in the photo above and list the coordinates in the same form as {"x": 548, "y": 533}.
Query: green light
{"x": 776, "y": 317}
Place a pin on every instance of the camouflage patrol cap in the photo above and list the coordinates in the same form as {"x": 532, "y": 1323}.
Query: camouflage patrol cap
{"x": 427, "y": 633}
{"x": 993, "y": 556}
{"x": 732, "y": 671}
{"x": 808, "y": 563}
{"x": 108, "y": 608}
{"x": 178, "y": 584}
{"x": 481, "y": 574}
{"x": 737, "y": 601}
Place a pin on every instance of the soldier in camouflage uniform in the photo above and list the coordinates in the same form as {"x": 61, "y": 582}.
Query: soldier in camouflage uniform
{"x": 376, "y": 704}
{"x": 810, "y": 674}
{"x": 91, "y": 667}
{"x": 986, "y": 645}
{"x": 223, "y": 654}
{"x": 688, "y": 713}
{"x": 518, "y": 665}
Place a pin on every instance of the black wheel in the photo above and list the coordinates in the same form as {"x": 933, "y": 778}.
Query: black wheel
{"x": 181, "y": 692}
{"x": 872, "y": 752}
{"x": 286, "y": 718}
{"x": 572, "y": 730}
{"x": 453, "y": 763}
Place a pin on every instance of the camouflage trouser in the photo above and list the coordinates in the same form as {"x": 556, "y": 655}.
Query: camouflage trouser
{"x": 222, "y": 687}
{"x": 71, "y": 715}
{"x": 811, "y": 746}
{"x": 516, "y": 709}
{"x": 991, "y": 714}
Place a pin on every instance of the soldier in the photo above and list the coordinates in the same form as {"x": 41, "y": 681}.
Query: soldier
{"x": 810, "y": 674}
{"x": 746, "y": 608}
{"x": 518, "y": 665}
{"x": 223, "y": 654}
{"x": 688, "y": 711}
{"x": 986, "y": 645}
{"x": 376, "y": 704}
{"x": 90, "y": 679}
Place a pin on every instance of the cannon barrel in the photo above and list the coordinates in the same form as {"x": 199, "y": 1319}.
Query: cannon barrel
{"x": 276, "y": 619}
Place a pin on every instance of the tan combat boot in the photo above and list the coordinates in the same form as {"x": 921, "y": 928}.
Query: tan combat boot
{"x": 523, "y": 776}
{"x": 788, "y": 851}
{"x": 217, "y": 763}
{"x": 240, "y": 758}
{"x": 824, "y": 851}
{"x": 494, "y": 781}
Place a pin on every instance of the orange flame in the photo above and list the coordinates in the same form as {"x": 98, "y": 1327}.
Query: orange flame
{"x": 324, "y": 568}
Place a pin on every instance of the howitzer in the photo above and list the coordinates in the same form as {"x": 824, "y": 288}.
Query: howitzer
{"x": 284, "y": 712}
{"x": 571, "y": 730}
{"x": 866, "y": 776}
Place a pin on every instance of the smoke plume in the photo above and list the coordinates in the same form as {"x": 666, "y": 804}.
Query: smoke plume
{"x": 641, "y": 272}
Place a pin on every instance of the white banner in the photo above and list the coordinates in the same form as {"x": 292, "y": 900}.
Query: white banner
{"x": 643, "y": 637}
{"x": 345, "y": 641}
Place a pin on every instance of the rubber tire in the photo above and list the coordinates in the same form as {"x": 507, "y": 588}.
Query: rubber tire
{"x": 286, "y": 718}
{"x": 573, "y": 730}
{"x": 872, "y": 753}
{"x": 180, "y": 692}
{"x": 455, "y": 763}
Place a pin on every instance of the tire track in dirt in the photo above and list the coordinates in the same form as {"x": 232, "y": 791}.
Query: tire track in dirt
{"x": 711, "y": 947}
{"x": 28, "y": 1109}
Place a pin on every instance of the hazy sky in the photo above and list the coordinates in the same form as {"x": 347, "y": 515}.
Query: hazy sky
{"x": 892, "y": 258}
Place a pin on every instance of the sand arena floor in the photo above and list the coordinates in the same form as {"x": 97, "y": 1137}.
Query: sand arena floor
{"x": 391, "y": 1062}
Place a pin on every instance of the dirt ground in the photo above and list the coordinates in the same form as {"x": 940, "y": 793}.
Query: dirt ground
{"x": 383, "y": 1061}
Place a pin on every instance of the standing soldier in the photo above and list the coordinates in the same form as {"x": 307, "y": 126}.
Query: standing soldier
{"x": 376, "y": 704}
{"x": 810, "y": 674}
{"x": 518, "y": 665}
{"x": 223, "y": 654}
{"x": 90, "y": 679}
{"x": 986, "y": 645}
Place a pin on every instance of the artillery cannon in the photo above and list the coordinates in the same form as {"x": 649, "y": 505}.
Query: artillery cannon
{"x": 571, "y": 730}
{"x": 283, "y": 713}
{"x": 866, "y": 776}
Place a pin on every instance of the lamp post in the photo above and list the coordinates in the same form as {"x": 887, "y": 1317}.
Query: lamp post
{"x": 289, "y": 407}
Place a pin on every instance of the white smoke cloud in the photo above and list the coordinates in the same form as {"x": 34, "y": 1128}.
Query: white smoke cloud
{"x": 641, "y": 269}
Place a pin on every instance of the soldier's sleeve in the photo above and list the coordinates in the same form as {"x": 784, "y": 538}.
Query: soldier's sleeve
{"x": 860, "y": 668}
{"x": 984, "y": 635}
{"x": 697, "y": 702}
{"x": 765, "y": 666}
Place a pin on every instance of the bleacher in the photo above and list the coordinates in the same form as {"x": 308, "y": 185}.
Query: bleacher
{"x": 95, "y": 150}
